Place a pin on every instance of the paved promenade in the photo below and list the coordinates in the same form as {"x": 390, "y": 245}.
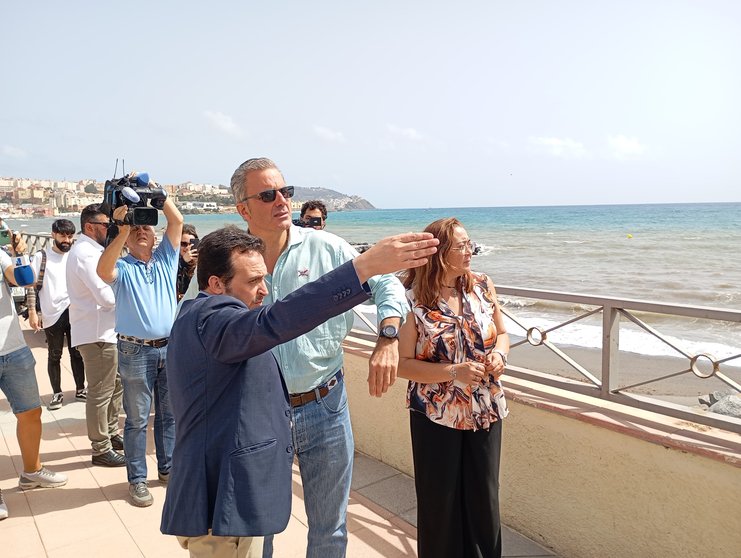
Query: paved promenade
{"x": 91, "y": 516}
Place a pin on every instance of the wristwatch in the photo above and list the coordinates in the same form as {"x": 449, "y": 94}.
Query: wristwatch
{"x": 389, "y": 331}
{"x": 503, "y": 355}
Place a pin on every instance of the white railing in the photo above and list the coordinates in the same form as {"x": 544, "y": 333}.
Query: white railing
{"x": 610, "y": 381}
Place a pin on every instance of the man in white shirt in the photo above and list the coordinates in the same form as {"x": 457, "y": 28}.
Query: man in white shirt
{"x": 51, "y": 289}
{"x": 92, "y": 318}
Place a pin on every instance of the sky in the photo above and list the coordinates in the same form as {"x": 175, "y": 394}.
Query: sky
{"x": 406, "y": 103}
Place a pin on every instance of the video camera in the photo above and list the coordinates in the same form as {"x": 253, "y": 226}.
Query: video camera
{"x": 312, "y": 222}
{"x": 134, "y": 191}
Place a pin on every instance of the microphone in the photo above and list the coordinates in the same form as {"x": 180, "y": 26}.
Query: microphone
{"x": 142, "y": 179}
{"x": 130, "y": 194}
{"x": 23, "y": 272}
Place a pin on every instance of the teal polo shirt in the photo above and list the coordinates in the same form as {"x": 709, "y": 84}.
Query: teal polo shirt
{"x": 145, "y": 293}
{"x": 311, "y": 359}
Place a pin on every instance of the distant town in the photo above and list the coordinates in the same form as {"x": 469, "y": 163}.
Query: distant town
{"x": 26, "y": 197}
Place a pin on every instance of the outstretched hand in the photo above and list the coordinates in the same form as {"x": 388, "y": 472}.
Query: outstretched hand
{"x": 394, "y": 253}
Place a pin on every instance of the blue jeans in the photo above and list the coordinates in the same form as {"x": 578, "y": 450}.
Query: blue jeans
{"x": 324, "y": 446}
{"x": 143, "y": 373}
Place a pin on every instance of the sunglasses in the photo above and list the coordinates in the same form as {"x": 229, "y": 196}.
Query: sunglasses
{"x": 268, "y": 196}
{"x": 98, "y": 223}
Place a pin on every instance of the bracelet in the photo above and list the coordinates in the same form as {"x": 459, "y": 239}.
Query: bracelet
{"x": 503, "y": 355}
{"x": 453, "y": 372}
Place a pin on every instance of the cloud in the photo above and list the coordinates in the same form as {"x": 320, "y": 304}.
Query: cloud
{"x": 13, "y": 152}
{"x": 561, "y": 147}
{"x": 623, "y": 147}
{"x": 331, "y": 136}
{"x": 398, "y": 136}
{"x": 223, "y": 123}
{"x": 406, "y": 133}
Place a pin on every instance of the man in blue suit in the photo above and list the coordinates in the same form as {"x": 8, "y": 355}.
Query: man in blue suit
{"x": 230, "y": 481}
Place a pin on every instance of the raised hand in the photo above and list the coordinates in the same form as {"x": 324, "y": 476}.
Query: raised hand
{"x": 394, "y": 253}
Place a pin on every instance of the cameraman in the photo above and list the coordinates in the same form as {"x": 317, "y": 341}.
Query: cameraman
{"x": 314, "y": 215}
{"x": 144, "y": 285}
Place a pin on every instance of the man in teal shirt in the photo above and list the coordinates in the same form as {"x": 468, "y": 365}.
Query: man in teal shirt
{"x": 312, "y": 363}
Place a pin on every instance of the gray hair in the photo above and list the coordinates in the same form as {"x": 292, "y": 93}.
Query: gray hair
{"x": 240, "y": 175}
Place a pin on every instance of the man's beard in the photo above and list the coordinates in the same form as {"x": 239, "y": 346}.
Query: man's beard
{"x": 63, "y": 246}
{"x": 100, "y": 236}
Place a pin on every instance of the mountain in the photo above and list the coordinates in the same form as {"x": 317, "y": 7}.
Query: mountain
{"x": 335, "y": 201}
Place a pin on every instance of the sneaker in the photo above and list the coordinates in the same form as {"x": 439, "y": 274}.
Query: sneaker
{"x": 163, "y": 477}
{"x": 140, "y": 495}
{"x": 81, "y": 395}
{"x": 3, "y": 507}
{"x": 43, "y": 478}
{"x": 56, "y": 401}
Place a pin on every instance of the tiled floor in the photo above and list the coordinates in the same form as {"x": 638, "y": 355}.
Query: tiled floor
{"x": 91, "y": 516}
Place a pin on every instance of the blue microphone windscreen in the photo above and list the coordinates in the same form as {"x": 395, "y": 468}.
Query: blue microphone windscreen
{"x": 142, "y": 179}
{"x": 23, "y": 275}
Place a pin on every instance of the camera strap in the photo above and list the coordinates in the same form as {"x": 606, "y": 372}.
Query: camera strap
{"x": 42, "y": 270}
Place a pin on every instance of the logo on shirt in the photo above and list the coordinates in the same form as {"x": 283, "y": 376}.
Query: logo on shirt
{"x": 303, "y": 273}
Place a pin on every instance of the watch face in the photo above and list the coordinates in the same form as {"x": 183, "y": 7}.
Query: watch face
{"x": 390, "y": 331}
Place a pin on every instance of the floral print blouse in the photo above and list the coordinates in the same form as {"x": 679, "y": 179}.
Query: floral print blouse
{"x": 443, "y": 336}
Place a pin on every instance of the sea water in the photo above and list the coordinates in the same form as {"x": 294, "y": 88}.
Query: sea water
{"x": 665, "y": 253}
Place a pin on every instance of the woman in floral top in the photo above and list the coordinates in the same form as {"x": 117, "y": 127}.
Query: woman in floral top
{"x": 453, "y": 349}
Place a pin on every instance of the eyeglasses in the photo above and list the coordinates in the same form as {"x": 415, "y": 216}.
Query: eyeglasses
{"x": 268, "y": 196}
{"x": 470, "y": 245}
{"x": 98, "y": 223}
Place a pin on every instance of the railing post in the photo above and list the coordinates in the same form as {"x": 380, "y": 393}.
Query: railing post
{"x": 610, "y": 348}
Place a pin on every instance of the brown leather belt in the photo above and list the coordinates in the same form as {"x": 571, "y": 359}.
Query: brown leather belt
{"x": 156, "y": 343}
{"x": 298, "y": 399}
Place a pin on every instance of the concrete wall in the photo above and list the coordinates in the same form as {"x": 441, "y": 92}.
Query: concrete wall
{"x": 582, "y": 490}
{"x": 380, "y": 425}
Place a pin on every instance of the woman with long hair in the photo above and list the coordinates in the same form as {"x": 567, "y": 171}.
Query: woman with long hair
{"x": 453, "y": 349}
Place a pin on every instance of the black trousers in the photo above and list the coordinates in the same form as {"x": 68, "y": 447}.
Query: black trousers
{"x": 55, "y": 342}
{"x": 456, "y": 474}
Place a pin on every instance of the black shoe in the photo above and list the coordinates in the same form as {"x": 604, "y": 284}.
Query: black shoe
{"x": 117, "y": 442}
{"x": 109, "y": 459}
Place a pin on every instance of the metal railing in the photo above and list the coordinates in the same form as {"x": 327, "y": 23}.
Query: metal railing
{"x": 606, "y": 382}
{"x": 36, "y": 241}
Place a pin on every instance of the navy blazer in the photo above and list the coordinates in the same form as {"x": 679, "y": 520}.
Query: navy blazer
{"x": 231, "y": 467}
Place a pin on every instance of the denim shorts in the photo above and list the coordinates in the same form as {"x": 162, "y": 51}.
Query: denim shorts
{"x": 18, "y": 380}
